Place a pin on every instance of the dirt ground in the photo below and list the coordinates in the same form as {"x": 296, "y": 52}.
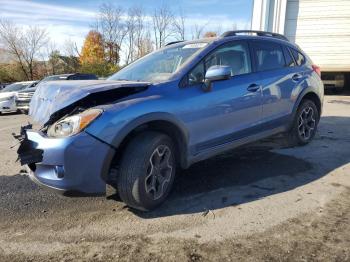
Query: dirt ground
{"x": 258, "y": 203}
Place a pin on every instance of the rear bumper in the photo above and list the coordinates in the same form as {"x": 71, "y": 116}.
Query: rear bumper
{"x": 77, "y": 163}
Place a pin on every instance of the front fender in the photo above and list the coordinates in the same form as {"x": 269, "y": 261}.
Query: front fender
{"x": 118, "y": 121}
{"x": 155, "y": 116}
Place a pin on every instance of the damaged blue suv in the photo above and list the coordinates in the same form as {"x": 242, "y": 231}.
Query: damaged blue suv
{"x": 176, "y": 106}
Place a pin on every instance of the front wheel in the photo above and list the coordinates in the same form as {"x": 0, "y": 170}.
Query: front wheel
{"x": 304, "y": 125}
{"x": 147, "y": 171}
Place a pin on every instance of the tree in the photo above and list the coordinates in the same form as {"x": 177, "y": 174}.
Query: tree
{"x": 136, "y": 34}
{"x": 93, "y": 49}
{"x": 145, "y": 46}
{"x": 23, "y": 45}
{"x": 54, "y": 62}
{"x": 197, "y": 30}
{"x": 110, "y": 25}
{"x": 210, "y": 34}
{"x": 70, "y": 48}
{"x": 71, "y": 57}
{"x": 163, "y": 20}
{"x": 179, "y": 26}
{"x": 92, "y": 56}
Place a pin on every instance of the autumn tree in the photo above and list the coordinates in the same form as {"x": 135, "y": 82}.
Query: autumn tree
{"x": 93, "y": 50}
{"x": 210, "y": 34}
{"x": 92, "y": 56}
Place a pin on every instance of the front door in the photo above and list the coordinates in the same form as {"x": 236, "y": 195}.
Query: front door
{"x": 232, "y": 109}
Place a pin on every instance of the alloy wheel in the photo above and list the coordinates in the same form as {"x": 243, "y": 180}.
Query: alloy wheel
{"x": 159, "y": 172}
{"x": 306, "y": 123}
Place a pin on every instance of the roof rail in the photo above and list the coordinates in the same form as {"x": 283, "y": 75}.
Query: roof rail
{"x": 258, "y": 33}
{"x": 174, "y": 42}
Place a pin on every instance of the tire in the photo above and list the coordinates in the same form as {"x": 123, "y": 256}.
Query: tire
{"x": 304, "y": 125}
{"x": 147, "y": 171}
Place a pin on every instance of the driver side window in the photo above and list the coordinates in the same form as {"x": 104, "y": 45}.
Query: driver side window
{"x": 234, "y": 55}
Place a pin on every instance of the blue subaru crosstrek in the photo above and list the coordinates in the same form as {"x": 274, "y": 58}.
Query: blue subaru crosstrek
{"x": 176, "y": 106}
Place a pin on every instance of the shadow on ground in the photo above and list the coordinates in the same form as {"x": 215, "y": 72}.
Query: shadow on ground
{"x": 250, "y": 173}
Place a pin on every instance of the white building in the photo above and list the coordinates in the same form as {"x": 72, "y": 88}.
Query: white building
{"x": 320, "y": 27}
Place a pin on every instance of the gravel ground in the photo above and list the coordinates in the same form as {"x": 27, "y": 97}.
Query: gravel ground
{"x": 258, "y": 203}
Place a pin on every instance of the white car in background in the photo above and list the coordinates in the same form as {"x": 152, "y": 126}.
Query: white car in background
{"x": 8, "y": 96}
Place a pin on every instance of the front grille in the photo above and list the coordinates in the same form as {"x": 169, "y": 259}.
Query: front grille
{"x": 22, "y": 103}
{"x": 25, "y": 96}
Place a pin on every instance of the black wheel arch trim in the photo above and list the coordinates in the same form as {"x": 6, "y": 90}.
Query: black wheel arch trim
{"x": 148, "y": 118}
{"x": 302, "y": 95}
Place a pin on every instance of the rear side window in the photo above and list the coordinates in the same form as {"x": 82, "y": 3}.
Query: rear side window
{"x": 288, "y": 56}
{"x": 299, "y": 58}
{"x": 268, "y": 56}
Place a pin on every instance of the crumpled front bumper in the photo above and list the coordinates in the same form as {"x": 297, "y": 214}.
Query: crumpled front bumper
{"x": 79, "y": 163}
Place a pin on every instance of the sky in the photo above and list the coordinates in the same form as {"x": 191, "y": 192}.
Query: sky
{"x": 72, "y": 19}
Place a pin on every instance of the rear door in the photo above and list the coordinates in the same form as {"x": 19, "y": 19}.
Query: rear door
{"x": 279, "y": 78}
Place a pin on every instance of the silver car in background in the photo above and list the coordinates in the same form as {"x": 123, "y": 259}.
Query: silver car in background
{"x": 8, "y": 96}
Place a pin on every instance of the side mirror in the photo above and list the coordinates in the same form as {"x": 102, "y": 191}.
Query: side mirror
{"x": 216, "y": 73}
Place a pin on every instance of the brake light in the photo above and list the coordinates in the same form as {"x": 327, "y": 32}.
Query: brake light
{"x": 317, "y": 69}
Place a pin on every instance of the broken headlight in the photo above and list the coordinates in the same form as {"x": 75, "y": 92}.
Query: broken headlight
{"x": 72, "y": 125}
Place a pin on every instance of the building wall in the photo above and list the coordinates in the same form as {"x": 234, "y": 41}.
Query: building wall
{"x": 320, "y": 27}
{"x": 269, "y": 15}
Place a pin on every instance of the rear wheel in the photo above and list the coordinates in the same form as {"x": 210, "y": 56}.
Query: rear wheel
{"x": 304, "y": 125}
{"x": 147, "y": 171}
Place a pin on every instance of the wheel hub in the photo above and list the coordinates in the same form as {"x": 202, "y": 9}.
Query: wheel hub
{"x": 159, "y": 172}
{"x": 306, "y": 123}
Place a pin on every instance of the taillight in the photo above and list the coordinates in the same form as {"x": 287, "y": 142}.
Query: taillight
{"x": 317, "y": 69}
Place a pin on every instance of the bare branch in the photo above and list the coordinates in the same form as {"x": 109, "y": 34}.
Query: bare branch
{"x": 24, "y": 45}
{"x": 163, "y": 20}
{"x": 109, "y": 23}
{"x": 179, "y": 26}
{"x": 197, "y": 30}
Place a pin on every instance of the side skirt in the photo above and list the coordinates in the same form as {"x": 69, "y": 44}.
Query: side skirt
{"x": 219, "y": 149}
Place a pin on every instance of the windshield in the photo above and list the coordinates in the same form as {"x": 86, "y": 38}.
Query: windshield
{"x": 158, "y": 66}
{"x": 14, "y": 87}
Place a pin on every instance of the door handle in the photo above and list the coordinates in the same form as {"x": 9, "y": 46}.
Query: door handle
{"x": 253, "y": 87}
{"x": 296, "y": 77}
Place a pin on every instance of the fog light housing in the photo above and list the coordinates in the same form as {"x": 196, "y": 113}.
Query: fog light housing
{"x": 59, "y": 171}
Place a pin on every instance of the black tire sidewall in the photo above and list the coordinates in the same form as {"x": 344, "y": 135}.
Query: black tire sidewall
{"x": 305, "y": 104}
{"x": 136, "y": 158}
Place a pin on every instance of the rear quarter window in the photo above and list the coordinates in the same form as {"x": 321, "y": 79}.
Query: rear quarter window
{"x": 288, "y": 56}
{"x": 298, "y": 57}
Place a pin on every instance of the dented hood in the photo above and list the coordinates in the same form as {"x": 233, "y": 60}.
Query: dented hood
{"x": 53, "y": 96}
